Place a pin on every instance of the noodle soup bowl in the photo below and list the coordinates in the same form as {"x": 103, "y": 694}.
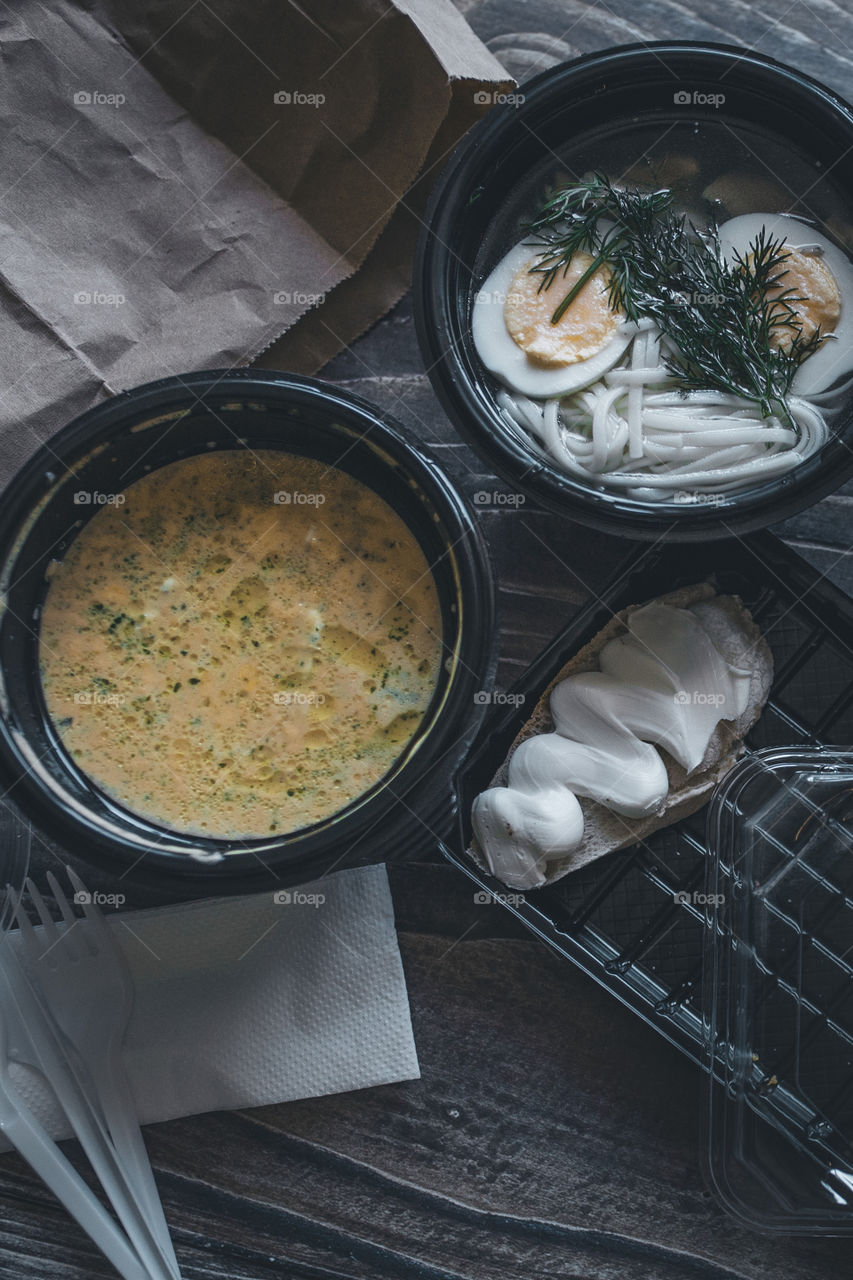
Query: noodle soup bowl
{"x": 130, "y": 437}
{"x": 495, "y": 180}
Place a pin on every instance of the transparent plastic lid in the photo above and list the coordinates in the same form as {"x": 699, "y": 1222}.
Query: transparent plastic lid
{"x": 778, "y": 994}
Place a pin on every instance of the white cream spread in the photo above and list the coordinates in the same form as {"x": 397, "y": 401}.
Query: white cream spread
{"x": 665, "y": 682}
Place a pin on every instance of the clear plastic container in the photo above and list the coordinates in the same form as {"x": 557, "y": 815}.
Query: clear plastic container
{"x": 779, "y": 991}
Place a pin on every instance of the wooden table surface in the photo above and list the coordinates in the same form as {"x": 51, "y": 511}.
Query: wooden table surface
{"x": 552, "y": 1134}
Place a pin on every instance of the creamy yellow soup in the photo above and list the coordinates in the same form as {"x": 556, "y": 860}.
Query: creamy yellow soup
{"x": 240, "y": 645}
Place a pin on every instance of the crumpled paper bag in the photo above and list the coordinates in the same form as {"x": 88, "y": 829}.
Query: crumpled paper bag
{"x": 183, "y": 184}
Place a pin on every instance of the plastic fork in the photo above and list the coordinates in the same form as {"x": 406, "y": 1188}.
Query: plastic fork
{"x": 82, "y": 951}
{"x": 34, "y": 1039}
{"x": 28, "y": 1136}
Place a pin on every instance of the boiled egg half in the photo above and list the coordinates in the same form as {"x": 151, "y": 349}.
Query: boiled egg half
{"x": 821, "y": 275}
{"x": 512, "y": 327}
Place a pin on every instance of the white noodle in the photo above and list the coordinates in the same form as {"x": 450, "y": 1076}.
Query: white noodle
{"x": 635, "y": 430}
{"x": 634, "y": 381}
{"x": 833, "y": 395}
{"x": 602, "y": 432}
{"x": 769, "y": 464}
{"x": 639, "y": 377}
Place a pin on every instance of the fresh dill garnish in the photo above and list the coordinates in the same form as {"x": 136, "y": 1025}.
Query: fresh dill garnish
{"x": 734, "y": 325}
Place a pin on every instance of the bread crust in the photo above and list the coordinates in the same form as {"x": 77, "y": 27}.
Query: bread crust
{"x": 741, "y": 643}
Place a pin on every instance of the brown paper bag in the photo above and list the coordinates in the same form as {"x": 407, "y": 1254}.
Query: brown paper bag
{"x": 183, "y": 185}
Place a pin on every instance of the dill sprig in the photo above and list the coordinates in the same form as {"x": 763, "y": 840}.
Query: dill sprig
{"x": 733, "y": 324}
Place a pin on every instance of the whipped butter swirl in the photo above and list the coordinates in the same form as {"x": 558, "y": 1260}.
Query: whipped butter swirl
{"x": 664, "y": 683}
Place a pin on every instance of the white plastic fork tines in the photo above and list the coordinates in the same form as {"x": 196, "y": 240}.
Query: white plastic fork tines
{"x": 87, "y": 986}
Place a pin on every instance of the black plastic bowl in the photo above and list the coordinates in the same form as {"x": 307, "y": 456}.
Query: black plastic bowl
{"x": 116, "y": 443}
{"x": 497, "y": 158}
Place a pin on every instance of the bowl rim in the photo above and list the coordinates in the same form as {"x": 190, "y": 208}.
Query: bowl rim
{"x": 463, "y": 399}
{"x": 308, "y": 851}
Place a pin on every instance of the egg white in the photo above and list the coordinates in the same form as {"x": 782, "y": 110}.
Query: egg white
{"x": 506, "y": 360}
{"x": 833, "y": 358}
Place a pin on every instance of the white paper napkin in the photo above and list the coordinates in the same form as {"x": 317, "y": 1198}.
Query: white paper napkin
{"x": 246, "y": 1001}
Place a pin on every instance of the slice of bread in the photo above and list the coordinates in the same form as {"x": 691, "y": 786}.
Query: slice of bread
{"x": 739, "y": 640}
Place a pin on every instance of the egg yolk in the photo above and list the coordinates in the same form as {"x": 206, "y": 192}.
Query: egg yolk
{"x": 583, "y": 329}
{"x": 808, "y": 277}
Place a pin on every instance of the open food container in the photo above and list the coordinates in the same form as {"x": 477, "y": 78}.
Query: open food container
{"x": 135, "y": 435}
{"x": 663, "y": 114}
{"x": 755, "y": 889}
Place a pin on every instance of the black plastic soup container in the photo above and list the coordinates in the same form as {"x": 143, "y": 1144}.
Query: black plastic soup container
{"x": 109, "y": 447}
{"x": 496, "y": 177}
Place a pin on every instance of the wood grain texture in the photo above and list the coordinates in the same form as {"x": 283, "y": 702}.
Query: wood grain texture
{"x": 552, "y": 1135}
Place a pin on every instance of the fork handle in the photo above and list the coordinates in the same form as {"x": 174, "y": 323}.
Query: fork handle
{"x": 41, "y": 1043}
{"x": 119, "y": 1111}
{"x": 42, "y": 1154}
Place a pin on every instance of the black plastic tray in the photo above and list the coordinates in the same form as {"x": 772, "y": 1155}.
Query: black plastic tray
{"x": 635, "y": 919}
